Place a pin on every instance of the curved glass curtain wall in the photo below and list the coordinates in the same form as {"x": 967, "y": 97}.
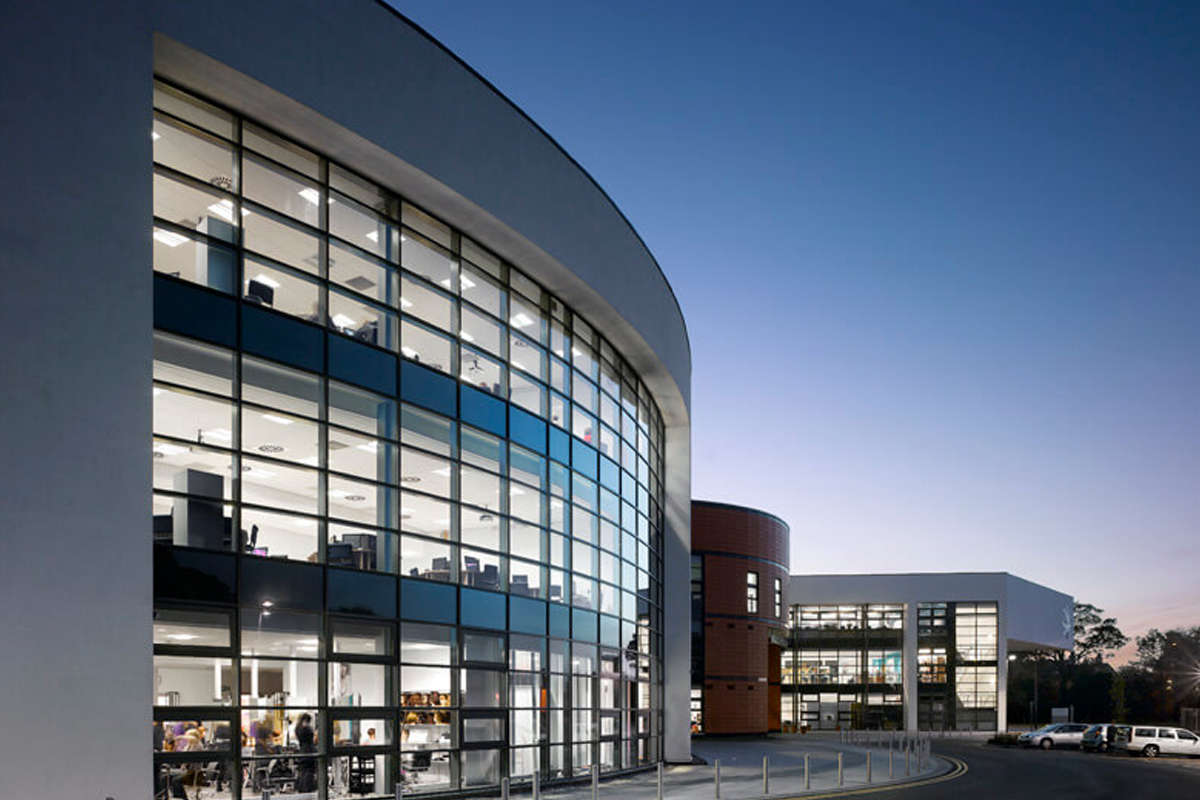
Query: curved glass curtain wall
{"x": 400, "y": 491}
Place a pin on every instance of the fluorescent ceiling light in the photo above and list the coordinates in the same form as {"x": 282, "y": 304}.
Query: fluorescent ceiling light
{"x": 182, "y": 637}
{"x": 223, "y": 434}
{"x": 168, "y": 238}
{"x": 311, "y": 195}
{"x": 466, "y": 336}
{"x": 169, "y": 449}
{"x": 373, "y": 236}
{"x": 409, "y": 352}
{"x": 312, "y": 461}
{"x": 513, "y": 490}
{"x": 405, "y": 302}
{"x": 519, "y": 365}
{"x": 342, "y": 321}
{"x": 370, "y": 447}
{"x": 466, "y": 282}
{"x": 277, "y": 419}
{"x": 157, "y": 391}
{"x": 444, "y": 472}
{"x": 266, "y": 280}
{"x": 521, "y": 320}
{"x": 224, "y": 209}
{"x": 155, "y": 136}
{"x": 445, "y": 282}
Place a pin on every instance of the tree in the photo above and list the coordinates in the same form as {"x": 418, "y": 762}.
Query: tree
{"x": 1116, "y": 695}
{"x": 1096, "y": 636}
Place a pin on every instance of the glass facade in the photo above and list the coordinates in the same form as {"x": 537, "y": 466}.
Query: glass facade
{"x": 407, "y": 504}
{"x": 845, "y": 666}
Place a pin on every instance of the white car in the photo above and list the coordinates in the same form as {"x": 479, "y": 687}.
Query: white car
{"x": 1152, "y": 741}
{"x": 1059, "y": 734}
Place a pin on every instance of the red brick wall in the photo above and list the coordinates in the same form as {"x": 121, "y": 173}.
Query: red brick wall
{"x": 738, "y": 695}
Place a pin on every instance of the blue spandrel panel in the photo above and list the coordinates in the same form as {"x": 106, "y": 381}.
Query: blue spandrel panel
{"x": 189, "y": 310}
{"x": 483, "y": 410}
{"x": 290, "y": 341}
{"x": 357, "y": 363}
{"x": 429, "y": 389}
{"x": 428, "y": 601}
{"x": 482, "y": 609}
{"x": 527, "y": 430}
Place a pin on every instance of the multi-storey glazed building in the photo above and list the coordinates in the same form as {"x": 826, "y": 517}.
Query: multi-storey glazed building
{"x": 925, "y": 651}
{"x": 367, "y": 416}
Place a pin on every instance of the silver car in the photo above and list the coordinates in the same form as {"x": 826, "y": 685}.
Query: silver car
{"x": 1059, "y": 734}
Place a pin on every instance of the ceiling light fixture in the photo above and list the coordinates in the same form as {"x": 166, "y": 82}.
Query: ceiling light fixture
{"x": 342, "y": 321}
{"x": 266, "y": 280}
{"x": 373, "y": 236}
{"x": 168, "y": 238}
{"x": 155, "y": 136}
{"x": 277, "y": 419}
{"x": 521, "y": 320}
{"x": 182, "y": 637}
{"x": 311, "y": 195}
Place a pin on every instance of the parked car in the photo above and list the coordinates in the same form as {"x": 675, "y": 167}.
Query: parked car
{"x": 1058, "y": 734}
{"x": 1152, "y": 741}
{"x": 1099, "y": 738}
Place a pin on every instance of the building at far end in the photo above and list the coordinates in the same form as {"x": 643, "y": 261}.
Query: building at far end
{"x": 739, "y": 577}
{"x": 924, "y": 651}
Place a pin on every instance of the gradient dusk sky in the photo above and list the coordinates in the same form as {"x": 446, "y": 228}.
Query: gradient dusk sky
{"x": 939, "y": 262}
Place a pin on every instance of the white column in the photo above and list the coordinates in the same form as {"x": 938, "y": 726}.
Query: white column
{"x": 909, "y": 667}
{"x": 1001, "y": 667}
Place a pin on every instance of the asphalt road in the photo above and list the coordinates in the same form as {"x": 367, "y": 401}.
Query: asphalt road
{"x": 1002, "y": 772}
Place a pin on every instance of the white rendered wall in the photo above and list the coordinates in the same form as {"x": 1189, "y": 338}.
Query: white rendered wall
{"x": 75, "y": 322}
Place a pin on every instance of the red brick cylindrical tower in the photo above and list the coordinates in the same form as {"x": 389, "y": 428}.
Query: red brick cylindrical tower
{"x": 739, "y": 617}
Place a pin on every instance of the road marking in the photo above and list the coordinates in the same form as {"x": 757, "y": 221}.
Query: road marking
{"x": 960, "y": 769}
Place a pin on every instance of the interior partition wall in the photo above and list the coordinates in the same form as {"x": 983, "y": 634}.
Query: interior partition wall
{"x": 408, "y": 505}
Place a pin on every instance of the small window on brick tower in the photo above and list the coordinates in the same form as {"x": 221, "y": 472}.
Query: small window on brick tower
{"x": 751, "y": 592}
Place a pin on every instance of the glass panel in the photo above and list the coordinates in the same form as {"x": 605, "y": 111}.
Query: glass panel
{"x": 270, "y": 632}
{"x": 187, "y": 149}
{"x": 422, "y": 257}
{"x": 481, "y": 331}
{"x": 424, "y": 558}
{"x": 427, "y": 644}
{"x": 193, "y": 681}
{"x": 192, "y": 260}
{"x": 482, "y": 372}
{"x": 480, "y": 289}
{"x": 195, "y": 111}
{"x": 191, "y": 628}
{"x": 426, "y": 303}
{"x": 359, "y": 685}
{"x": 362, "y": 410}
{"x": 279, "y": 435}
{"x": 282, "y": 290}
{"x": 285, "y": 152}
{"x": 265, "y": 533}
{"x": 360, "y": 226}
{"x": 426, "y": 347}
{"x": 362, "y": 638}
{"x": 282, "y": 240}
{"x": 281, "y": 189}
{"x": 368, "y": 276}
{"x": 362, "y": 321}
{"x": 194, "y": 206}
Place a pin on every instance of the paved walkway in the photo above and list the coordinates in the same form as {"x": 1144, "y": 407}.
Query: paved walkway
{"x": 741, "y": 770}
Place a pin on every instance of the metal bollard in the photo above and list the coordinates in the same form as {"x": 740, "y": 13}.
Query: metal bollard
{"x": 766, "y": 777}
{"x": 841, "y": 775}
{"x": 907, "y": 756}
{"x": 660, "y": 780}
{"x": 504, "y": 789}
{"x": 807, "y": 782}
{"x": 890, "y": 773}
{"x": 717, "y": 778}
{"x": 595, "y": 782}
{"x": 537, "y": 786}
{"x": 868, "y": 766}
{"x": 266, "y": 794}
{"x": 399, "y": 790}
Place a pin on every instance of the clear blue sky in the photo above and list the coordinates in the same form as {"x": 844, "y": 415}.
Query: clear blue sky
{"x": 940, "y": 264}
